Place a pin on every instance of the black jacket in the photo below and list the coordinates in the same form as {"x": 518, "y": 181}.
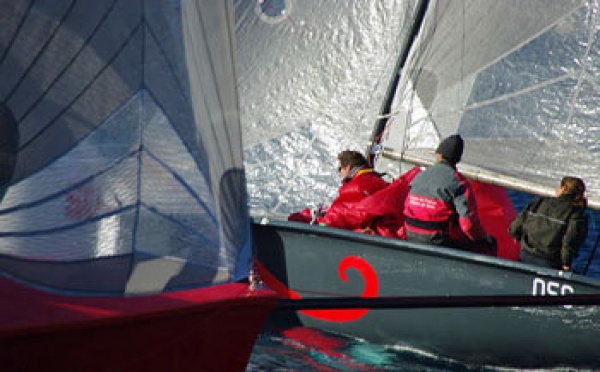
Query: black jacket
{"x": 552, "y": 228}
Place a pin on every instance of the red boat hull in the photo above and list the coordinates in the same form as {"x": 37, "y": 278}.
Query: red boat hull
{"x": 206, "y": 329}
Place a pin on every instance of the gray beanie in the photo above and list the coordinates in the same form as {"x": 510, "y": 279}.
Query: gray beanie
{"x": 451, "y": 148}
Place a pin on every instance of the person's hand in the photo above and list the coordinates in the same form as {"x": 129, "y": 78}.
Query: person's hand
{"x": 316, "y": 213}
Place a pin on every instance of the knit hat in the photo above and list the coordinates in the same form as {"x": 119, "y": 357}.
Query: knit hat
{"x": 451, "y": 148}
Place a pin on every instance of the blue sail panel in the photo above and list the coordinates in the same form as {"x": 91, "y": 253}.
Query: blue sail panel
{"x": 129, "y": 175}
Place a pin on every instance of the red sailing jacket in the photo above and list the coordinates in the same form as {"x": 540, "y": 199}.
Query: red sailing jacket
{"x": 441, "y": 208}
{"x": 364, "y": 183}
{"x": 380, "y": 213}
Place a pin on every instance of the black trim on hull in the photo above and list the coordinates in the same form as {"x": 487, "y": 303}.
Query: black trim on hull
{"x": 435, "y": 302}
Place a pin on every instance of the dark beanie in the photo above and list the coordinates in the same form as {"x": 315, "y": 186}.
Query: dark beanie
{"x": 451, "y": 148}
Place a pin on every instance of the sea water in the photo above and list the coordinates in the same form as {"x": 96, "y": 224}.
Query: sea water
{"x": 307, "y": 349}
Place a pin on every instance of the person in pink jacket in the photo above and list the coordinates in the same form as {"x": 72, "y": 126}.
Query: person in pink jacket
{"x": 440, "y": 208}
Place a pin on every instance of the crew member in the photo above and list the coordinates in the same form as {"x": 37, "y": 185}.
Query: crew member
{"x": 440, "y": 207}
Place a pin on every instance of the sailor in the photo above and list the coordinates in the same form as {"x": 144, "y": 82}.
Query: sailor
{"x": 358, "y": 179}
{"x": 440, "y": 207}
{"x": 550, "y": 230}
{"x": 358, "y": 182}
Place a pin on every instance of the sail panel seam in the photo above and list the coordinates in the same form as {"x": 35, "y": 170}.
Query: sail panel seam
{"x": 66, "y": 227}
{"x": 40, "y": 53}
{"x": 83, "y": 90}
{"x": 185, "y": 185}
{"x": 73, "y": 187}
{"x": 17, "y": 32}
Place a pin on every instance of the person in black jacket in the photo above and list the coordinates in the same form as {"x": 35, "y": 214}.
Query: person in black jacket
{"x": 550, "y": 230}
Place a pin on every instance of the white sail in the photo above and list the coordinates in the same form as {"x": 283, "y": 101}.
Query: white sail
{"x": 517, "y": 79}
{"x": 312, "y": 78}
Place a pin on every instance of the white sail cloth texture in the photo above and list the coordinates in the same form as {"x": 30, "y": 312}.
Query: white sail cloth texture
{"x": 129, "y": 174}
{"x": 312, "y": 78}
{"x": 517, "y": 79}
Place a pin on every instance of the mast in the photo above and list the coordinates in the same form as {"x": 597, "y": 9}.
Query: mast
{"x": 389, "y": 97}
{"x": 520, "y": 175}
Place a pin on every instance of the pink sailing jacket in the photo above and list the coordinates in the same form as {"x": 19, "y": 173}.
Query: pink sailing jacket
{"x": 440, "y": 209}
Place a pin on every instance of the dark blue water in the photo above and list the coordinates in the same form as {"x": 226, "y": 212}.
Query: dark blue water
{"x": 305, "y": 349}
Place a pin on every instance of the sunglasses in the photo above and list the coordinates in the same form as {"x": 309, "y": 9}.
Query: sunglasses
{"x": 339, "y": 169}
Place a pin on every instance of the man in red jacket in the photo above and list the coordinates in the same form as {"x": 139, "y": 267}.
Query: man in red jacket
{"x": 358, "y": 180}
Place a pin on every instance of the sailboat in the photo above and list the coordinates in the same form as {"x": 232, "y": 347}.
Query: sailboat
{"x": 125, "y": 239}
{"x": 515, "y": 79}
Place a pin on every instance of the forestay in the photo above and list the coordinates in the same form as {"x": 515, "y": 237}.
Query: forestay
{"x": 129, "y": 174}
{"x": 518, "y": 79}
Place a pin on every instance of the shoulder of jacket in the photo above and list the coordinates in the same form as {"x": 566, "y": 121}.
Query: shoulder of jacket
{"x": 579, "y": 211}
{"x": 537, "y": 200}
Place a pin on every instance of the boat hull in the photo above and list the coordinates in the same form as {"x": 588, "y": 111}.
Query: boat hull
{"x": 208, "y": 329}
{"x": 304, "y": 261}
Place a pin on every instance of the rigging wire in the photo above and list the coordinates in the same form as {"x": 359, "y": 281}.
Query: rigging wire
{"x": 387, "y": 105}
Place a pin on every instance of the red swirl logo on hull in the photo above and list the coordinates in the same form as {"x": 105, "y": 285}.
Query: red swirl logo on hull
{"x": 347, "y": 315}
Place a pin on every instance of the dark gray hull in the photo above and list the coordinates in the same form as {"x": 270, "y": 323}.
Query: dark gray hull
{"x": 305, "y": 259}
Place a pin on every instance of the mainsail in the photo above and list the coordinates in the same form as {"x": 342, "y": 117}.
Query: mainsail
{"x": 517, "y": 79}
{"x": 129, "y": 174}
{"x": 312, "y": 78}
